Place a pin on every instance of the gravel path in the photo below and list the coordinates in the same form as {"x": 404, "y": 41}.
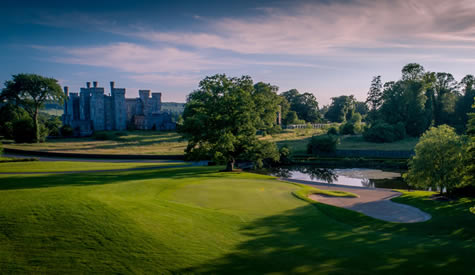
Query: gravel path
{"x": 373, "y": 202}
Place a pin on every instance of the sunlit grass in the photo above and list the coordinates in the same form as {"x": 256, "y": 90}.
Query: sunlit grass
{"x": 200, "y": 220}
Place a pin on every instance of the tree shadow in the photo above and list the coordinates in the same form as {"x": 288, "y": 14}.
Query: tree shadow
{"x": 326, "y": 239}
{"x": 18, "y": 181}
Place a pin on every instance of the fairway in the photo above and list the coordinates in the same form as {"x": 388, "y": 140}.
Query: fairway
{"x": 199, "y": 220}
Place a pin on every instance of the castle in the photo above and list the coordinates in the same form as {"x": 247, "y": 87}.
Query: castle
{"x": 91, "y": 110}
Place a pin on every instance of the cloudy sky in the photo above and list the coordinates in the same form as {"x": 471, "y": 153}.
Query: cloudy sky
{"x": 325, "y": 47}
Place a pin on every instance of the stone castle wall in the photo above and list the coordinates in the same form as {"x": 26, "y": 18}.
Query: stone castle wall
{"x": 92, "y": 110}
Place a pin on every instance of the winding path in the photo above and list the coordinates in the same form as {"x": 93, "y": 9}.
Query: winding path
{"x": 373, "y": 202}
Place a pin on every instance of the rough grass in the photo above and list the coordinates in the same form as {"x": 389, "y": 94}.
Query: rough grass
{"x": 298, "y": 143}
{"x": 171, "y": 143}
{"x": 131, "y": 142}
{"x": 358, "y": 143}
{"x": 198, "y": 220}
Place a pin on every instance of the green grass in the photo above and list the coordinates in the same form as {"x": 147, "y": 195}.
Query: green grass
{"x": 358, "y": 143}
{"x": 298, "y": 142}
{"x": 60, "y": 166}
{"x": 171, "y": 143}
{"x": 133, "y": 142}
{"x": 199, "y": 220}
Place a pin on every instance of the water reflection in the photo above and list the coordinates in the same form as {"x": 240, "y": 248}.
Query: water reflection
{"x": 314, "y": 173}
{"x": 372, "y": 178}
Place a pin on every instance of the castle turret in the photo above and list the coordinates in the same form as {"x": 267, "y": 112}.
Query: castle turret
{"x": 119, "y": 108}
{"x": 97, "y": 107}
{"x": 157, "y": 101}
{"x": 144, "y": 94}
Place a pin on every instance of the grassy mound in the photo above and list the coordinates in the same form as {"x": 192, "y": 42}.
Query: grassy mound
{"x": 199, "y": 220}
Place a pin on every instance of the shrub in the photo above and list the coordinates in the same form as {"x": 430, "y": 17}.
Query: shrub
{"x": 67, "y": 131}
{"x": 23, "y": 130}
{"x": 332, "y": 131}
{"x": 284, "y": 153}
{"x": 322, "y": 144}
{"x": 103, "y": 135}
{"x": 44, "y": 132}
{"x": 53, "y": 124}
{"x": 347, "y": 128}
{"x": 384, "y": 132}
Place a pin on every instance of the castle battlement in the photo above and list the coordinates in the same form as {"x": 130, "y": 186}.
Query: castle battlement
{"x": 91, "y": 110}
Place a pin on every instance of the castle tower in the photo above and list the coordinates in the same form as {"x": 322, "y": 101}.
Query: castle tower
{"x": 157, "y": 102}
{"x": 119, "y": 108}
{"x": 97, "y": 109}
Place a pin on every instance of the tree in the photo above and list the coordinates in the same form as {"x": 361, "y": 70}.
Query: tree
{"x": 405, "y": 102}
{"x": 446, "y": 93}
{"x": 438, "y": 160}
{"x": 305, "y": 105}
{"x": 412, "y": 71}
{"x": 322, "y": 144}
{"x": 221, "y": 118}
{"x": 469, "y": 171}
{"x": 341, "y": 108}
{"x": 464, "y": 103}
{"x": 31, "y": 91}
{"x": 362, "y": 108}
{"x": 10, "y": 113}
{"x": 375, "y": 94}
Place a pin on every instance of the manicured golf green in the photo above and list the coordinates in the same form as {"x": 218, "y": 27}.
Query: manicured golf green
{"x": 199, "y": 220}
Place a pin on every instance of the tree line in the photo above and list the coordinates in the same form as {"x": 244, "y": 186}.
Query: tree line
{"x": 416, "y": 102}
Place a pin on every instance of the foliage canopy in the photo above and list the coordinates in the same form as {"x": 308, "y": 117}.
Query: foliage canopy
{"x": 222, "y": 117}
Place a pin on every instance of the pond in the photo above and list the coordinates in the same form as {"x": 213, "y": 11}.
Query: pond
{"x": 361, "y": 177}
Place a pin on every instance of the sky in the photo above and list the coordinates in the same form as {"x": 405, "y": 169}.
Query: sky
{"x": 328, "y": 48}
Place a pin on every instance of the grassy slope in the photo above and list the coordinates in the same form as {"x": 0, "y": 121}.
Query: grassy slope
{"x": 358, "y": 143}
{"x": 170, "y": 143}
{"x": 199, "y": 220}
{"x": 59, "y": 166}
{"x": 135, "y": 142}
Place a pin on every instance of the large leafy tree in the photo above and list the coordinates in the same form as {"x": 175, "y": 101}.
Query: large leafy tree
{"x": 221, "y": 118}
{"x": 438, "y": 162}
{"x": 465, "y": 102}
{"x": 469, "y": 171}
{"x": 404, "y": 101}
{"x": 31, "y": 92}
{"x": 341, "y": 109}
{"x": 304, "y": 105}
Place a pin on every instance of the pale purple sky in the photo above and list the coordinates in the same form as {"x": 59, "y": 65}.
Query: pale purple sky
{"x": 328, "y": 48}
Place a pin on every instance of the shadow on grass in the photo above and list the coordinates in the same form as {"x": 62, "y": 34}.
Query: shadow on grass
{"x": 131, "y": 139}
{"x": 12, "y": 182}
{"x": 298, "y": 146}
{"x": 325, "y": 239}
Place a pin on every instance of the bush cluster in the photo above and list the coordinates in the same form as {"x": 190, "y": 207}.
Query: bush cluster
{"x": 384, "y": 132}
{"x": 105, "y": 135}
{"x": 322, "y": 144}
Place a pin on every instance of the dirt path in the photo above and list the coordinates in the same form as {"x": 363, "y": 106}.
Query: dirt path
{"x": 373, "y": 202}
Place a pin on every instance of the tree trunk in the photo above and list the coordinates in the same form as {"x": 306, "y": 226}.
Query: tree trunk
{"x": 36, "y": 126}
{"x": 230, "y": 166}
